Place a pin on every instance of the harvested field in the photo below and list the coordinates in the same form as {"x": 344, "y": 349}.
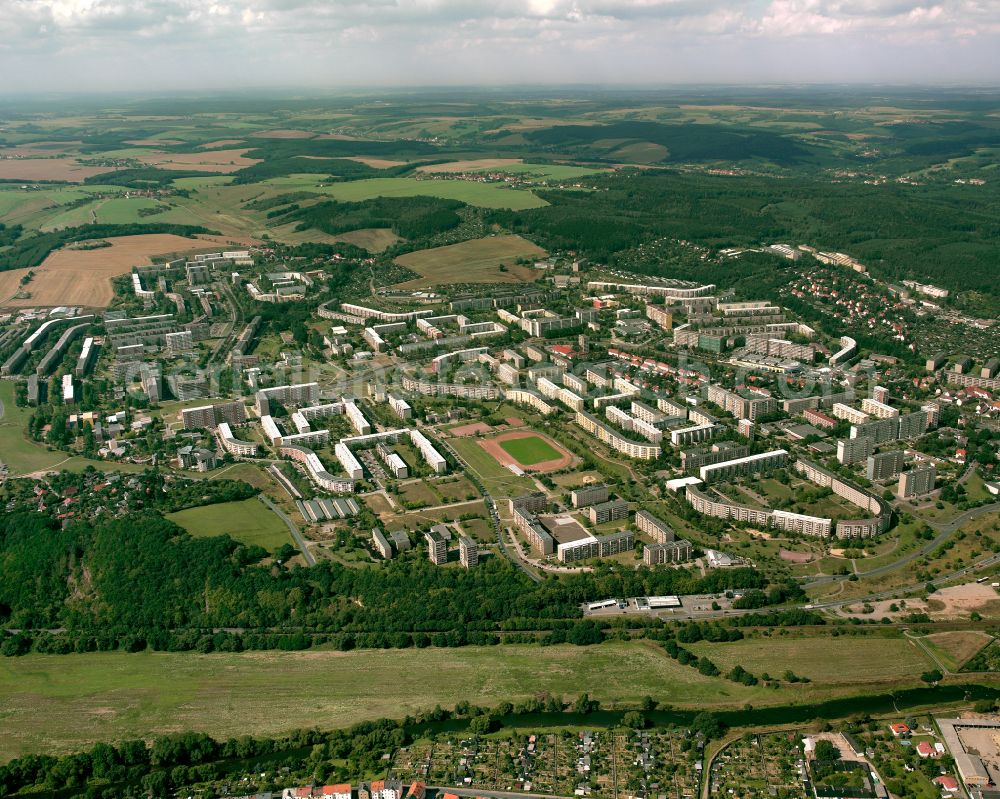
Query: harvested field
{"x": 373, "y": 239}
{"x": 475, "y": 261}
{"x": 83, "y": 277}
{"x": 212, "y": 161}
{"x": 536, "y": 449}
{"x": 153, "y": 142}
{"x": 210, "y": 145}
{"x": 29, "y": 169}
{"x": 469, "y": 166}
{"x": 375, "y": 163}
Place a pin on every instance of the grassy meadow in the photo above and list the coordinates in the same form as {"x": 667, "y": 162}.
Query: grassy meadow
{"x": 246, "y": 521}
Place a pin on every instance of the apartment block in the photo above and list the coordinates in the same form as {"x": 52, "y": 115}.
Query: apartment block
{"x": 608, "y": 511}
{"x": 658, "y": 530}
{"x": 852, "y": 450}
{"x": 917, "y": 482}
{"x": 852, "y": 415}
{"x": 468, "y": 552}
{"x": 209, "y": 416}
{"x": 670, "y": 552}
{"x": 749, "y": 464}
{"x": 588, "y": 495}
{"x": 885, "y": 465}
{"x": 437, "y": 546}
{"x": 879, "y": 410}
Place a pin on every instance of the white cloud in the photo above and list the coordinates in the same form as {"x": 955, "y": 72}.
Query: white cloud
{"x": 461, "y": 41}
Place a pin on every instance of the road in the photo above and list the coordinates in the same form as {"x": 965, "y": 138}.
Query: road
{"x": 292, "y": 528}
{"x": 491, "y": 506}
{"x": 945, "y": 531}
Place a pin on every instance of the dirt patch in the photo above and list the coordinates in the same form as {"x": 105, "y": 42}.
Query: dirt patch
{"x": 225, "y": 161}
{"x": 795, "y": 557}
{"x": 513, "y": 421}
{"x": 474, "y": 165}
{"x": 956, "y": 602}
{"x": 492, "y": 446}
{"x": 470, "y": 429}
{"x": 29, "y": 169}
{"x": 83, "y": 277}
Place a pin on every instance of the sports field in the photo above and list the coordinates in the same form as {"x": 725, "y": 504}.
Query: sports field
{"x": 247, "y": 521}
{"x": 474, "y": 261}
{"x": 530, "y": 451}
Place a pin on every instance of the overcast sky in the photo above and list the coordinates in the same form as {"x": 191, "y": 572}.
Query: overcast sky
{"x": 97, "y": 45}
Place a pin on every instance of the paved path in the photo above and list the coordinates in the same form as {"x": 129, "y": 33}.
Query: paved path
{"x": 945, "y": 530}
{"x": 310, "y": 560}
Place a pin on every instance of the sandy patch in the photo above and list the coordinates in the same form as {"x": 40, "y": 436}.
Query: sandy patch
{"x": 795, "y": 557}
{"x": 29, "y": 169}
{"x": 225, "y": 161}
{"x": 947, "y": 603}
{"x": 83, "y": 277}
{"x": 470, "y": 429}
{"x": 469, "y": 166}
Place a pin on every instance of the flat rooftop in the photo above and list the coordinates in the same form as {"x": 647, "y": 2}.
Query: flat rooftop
{"x": 564, "y": 529}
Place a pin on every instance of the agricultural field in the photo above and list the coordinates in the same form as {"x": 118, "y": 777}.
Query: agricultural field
{"x": 29, "y": 169}
{"x": 475, "y": 261}
{"x": 246, "y": 521}
{"x": 57, "y": 281}
{"x": 514, "y": 166}
{"x": 485, "y": 195}
{"x": 956, "y": 648}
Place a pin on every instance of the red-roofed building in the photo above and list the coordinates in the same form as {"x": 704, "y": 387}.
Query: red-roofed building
{"x": 925, "y": 749}
{"x": 417, "y": 790}
{"x": 946, "y": 782}
{"x": 900, "y": 730}
{"x": 303, "y": 793}
{"x": 340, "y": 791}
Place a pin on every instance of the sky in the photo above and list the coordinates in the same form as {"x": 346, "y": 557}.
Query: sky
{"x": 130, "y": 45}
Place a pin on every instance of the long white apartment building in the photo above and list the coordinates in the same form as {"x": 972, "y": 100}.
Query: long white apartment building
{"x": 693, "y": 434}
{"x": 534, "y": 400}
{"x": 298, "y": 394}
{"x": 400, "y": 407}
{"x": 670, "y": 292}
{"x": 658, "y": 530}
{"x": 853, "y": 415}
{"x": 301, "y": 423}
{"x": 347, "y": 460}
{"x": 356, "y": 418}
{"x": 442, "y": 362}
{"x": 433, "y": 458}
{"x": 317, "y": 471}
{"x": 879, "y": 410}
{"x": 615, "y": 440}
{"x": 570, "y": 399}
{"x": 749, "y": 464}
{"x": 313, "y": 412}
{"x": 233, "y": 445}
{"x": 364, "y": 312}
{"x": 68, "y": 392}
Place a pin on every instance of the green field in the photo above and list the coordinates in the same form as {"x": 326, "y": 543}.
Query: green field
{"x": 474, "y": 261}
{"x": 822, "y": 659}
{"x": 59, "y": 703}
{"x": 529, "y": 451}
{"x": 247, "y": 521}
{"x": 486, "y": 195}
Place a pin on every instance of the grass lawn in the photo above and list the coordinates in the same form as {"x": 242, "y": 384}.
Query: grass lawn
{"x": 529, "y": 451}
{"x": 58, "y": 703}
{"x": 486, "y": 195}
{"x": 822, "y": 659}
{"x": 247, "y": 521}
{"x": 955, "y": 648}
{"x": 498, "y": 480}
{"x": 475, "y": 261}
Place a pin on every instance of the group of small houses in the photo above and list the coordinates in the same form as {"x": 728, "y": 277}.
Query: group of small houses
{"x": 376, "y": 789}
{"x": 437, "y": 538}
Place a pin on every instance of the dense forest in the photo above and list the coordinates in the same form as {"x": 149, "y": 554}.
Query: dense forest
{"x": 142, "y": 580}
{"x": 409, "y": 217}
{"x": 957, "y": 245}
